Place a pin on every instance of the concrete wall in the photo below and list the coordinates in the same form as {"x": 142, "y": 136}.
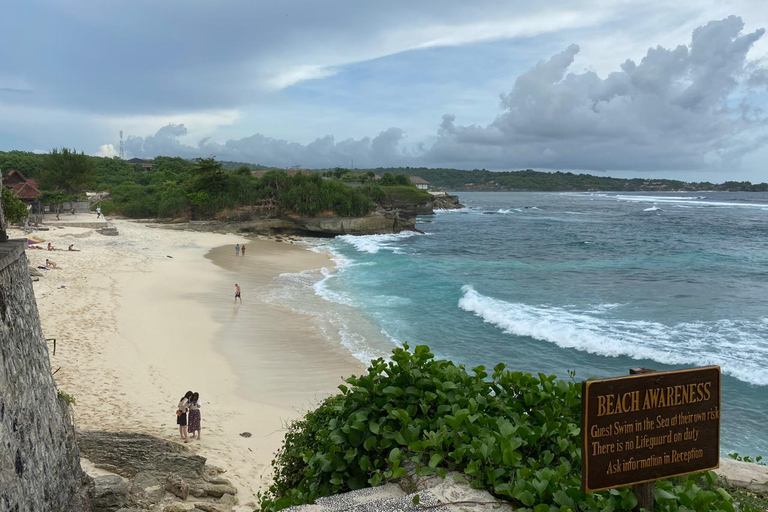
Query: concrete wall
{"x": 39, "y": 460}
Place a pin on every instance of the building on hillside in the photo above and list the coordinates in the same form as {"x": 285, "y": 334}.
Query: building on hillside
{"x": 420, "y": 183}
{"x": 25, "y": 188}
{"x": 144, "y": 164}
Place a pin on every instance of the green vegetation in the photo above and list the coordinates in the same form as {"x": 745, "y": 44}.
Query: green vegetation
{"x": 405, "y": 194}
{"x": 14, "y": 209}
{"x": 199, "y": 189}
{"x": 746, "y": 458}
{"x": 529, "y": 180}
{"x": 514, "y": 434}
{"x": 748, "y": 500}
{"x": 67, "y": 170}
{"x": 66, "y": 397}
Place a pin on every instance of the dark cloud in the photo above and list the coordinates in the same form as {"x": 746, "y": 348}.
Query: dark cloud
{"x": 675, "y": 110}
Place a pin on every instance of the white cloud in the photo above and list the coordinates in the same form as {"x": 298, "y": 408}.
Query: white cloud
{"x": 107, "y": 150}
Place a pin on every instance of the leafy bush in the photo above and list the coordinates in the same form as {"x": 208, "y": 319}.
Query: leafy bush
{"x": 14, "y": 209}
{"x": 512, "y": 433}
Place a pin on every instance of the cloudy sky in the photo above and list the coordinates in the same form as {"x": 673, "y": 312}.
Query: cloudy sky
{"x": 626, "y": 87}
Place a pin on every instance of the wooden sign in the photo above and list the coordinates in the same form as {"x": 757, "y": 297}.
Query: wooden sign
{"x": 642, "y": 428}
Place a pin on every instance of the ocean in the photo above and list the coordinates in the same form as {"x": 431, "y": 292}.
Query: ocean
{"x": 596, "y": 283}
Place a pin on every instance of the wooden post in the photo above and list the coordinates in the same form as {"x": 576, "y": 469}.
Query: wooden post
{"x": 645, "y": 493}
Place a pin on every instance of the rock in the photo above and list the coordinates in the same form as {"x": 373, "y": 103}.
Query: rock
{"x": 147, "y": 489}
{"x": 217, "y": 490}
{"x": 209, "y": 507}
{"x": 179, "y": 507}
{"x": 744, "y": 474}
{"x": 130, "y": 454}
{"x": 132, "y": 510}
{"x": 197, "y": 492}
{"x": 111, "y": 493}
{"x": 176, "y": 485}
{"x": 245, "y": 434}
{"x": 229, "y": 500}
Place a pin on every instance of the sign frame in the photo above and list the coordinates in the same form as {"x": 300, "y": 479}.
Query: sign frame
{"x": 653, "y": 375}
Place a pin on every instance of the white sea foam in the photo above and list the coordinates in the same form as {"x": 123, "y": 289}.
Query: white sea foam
{"x": 375, "y": 243}
{"x": 734, "y": 345}
{"x": 453, "y": 210}
{"x": 652, "y": 209}
{"x": 686, "y": 200}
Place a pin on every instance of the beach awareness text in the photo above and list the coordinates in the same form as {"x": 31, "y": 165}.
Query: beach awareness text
{"x": 653, "y": 398}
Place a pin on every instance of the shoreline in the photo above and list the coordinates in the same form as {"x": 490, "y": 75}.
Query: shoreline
{"x": 142, "y": 317}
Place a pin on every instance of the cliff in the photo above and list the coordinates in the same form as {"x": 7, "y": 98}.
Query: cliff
{"x": 39, "y": 459}
{"x": 389, "y": 217}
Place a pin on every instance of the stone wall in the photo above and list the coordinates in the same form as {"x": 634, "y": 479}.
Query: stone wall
{"x": 39, "y": 460}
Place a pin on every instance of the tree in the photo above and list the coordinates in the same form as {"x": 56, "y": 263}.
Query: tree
{"x": 67, "y": 170}
{"x": 402, "y": 179}
{"x": 209, "y": 176}
{"x": 54, "y": 198}
{"x": 388, "y": 180}
{"x": 14, "y": 209}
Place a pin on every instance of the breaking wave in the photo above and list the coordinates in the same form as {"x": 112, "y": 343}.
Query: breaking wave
{"x": 731, "y": 344}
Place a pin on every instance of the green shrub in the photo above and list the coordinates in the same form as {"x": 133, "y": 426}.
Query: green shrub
{"x": 512, "y": 433}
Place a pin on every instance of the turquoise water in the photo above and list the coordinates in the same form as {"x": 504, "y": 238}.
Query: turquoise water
{"x": 595, "y": 283}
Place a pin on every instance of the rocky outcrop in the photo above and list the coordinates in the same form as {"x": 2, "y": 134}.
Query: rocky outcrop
{"x": 411, "y": 495}
{"x": 158, "y": 472}
{"x": 446, "y": 202}
{"x": 744, "y": 474}
{"x": 129, "y": 454}
{"x": 39, "y": 459}
{"x": 111, "y": 493}
{"x": 381, "y": 222}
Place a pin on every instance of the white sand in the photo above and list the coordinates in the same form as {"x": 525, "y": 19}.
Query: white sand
{"x": 136, "y": 329}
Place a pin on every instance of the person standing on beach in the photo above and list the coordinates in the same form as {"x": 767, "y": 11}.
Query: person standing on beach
{"x": 242, "y": 250}
{"x": 194, "y": 415}
{"x": 181, "y": 415}
{"x": 237, "y": 250}
{"x": 237, "y": 293}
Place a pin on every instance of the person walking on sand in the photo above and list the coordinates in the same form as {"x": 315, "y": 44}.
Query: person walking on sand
{"x": 237, "y": 293}
{"x": 194, "y": 415}
{"x": 181, "y": 415}
{"x": 242, "y": 250}
{"x": 237, "y": 250}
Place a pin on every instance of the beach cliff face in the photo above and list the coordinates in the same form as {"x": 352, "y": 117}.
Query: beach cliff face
{"x": 388, "y": 218}
{"x": 39, "y": 459}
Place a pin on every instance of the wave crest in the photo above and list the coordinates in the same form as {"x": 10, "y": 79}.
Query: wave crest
{"x": 730, "y": 344}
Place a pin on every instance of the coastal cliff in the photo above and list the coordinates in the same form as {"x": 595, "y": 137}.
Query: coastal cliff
{"x": 39, "y": 459}
{"x": 388, "y": 217}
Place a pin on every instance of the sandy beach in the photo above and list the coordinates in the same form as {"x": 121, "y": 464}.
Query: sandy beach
{"x": 142, "y": 317}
